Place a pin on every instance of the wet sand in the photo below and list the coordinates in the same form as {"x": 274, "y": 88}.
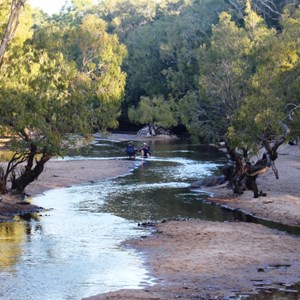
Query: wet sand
{"x": 210, "y": 260}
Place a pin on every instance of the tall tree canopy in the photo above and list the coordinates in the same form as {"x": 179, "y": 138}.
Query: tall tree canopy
{"x": 65, "y": 80}
{"x": 162, "y": 55}
{"x": 249, "y": 81}
{"x": 226, "y": 70}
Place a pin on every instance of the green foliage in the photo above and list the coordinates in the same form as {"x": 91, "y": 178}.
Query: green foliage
{"x": 66, "y": 80}
{"x": 35, "y": 102}
{"x": 126, "y": 15}
{"x": 185, "y": 32}
{"x": 225, "y": 70}
{"x": 162, "y": 52}
{"x": 217, "y": 67}
{"x": 247, "y": 81}
{"x": 269, "y": 10}
{"x": 262, "y": 115}
{"x": 98, "y": 57}
{"x": 155, "y": 111}
{"x": 82, "y": 4}
{"x": 143, "y": 66}
{"x": 12, "y": 36}
{"x": 194, "y": 111}
{"x": 276, "y": 82}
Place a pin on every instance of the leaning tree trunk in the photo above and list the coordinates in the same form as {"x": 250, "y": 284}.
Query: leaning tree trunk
{"x": 243, "y": 174}
{"x": 262, "y": 166}
{"x": 237, "y": 170}
{"x": 11, "y": 26}
{"x": 29, "y": 174}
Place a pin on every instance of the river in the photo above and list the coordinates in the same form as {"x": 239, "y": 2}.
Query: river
{"x": 74, "y": 248}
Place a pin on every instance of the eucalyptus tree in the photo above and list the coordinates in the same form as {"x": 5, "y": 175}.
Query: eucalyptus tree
{"x": 123, "y": 16}
{"x": 33, "y": 88}
{"x": 238, "y": 108}
{"x": 11, "y": 14}
{"x": 65, "y": 81}
{"x": 143, "y": 64}
{"x": 225, "y": 69}
{"x": 270, "y": 10}
{"x": 99, "y": 56}
{"x": 185, "y": 32}
{"x": 269, "y": 113}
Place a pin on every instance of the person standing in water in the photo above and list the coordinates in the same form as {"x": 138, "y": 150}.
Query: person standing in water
{"x": 130, "y": 150}
{"x": 145, "y": 150}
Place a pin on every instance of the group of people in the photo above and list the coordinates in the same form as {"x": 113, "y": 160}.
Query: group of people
{"x": 131, "y": 151}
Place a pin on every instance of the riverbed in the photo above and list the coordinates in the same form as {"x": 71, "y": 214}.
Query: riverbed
{"x": 75, "y": 249}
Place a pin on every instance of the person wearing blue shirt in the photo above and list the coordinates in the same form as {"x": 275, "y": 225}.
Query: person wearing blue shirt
{"x": 130, "y": 150}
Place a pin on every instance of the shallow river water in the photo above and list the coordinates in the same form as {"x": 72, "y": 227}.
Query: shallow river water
{"x": 74, "y": 249}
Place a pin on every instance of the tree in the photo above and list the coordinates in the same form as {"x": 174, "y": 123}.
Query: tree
{"x": 11, "y": 13}
{"x": 270, "y": 10}
{"x": 99, "y": 57}
{"x": 184, "y": 33}
{"x": 245, "y": 97}
{"x": 31, "y": 92}
{"x": 274, "y": 100}
{"x": 143, "y": 64}
{"x": 53, "y": 90}
{"x": 225, "y": 69}
{"x": 162, "y": 53}
{"x": 124, "y": 16}
{"x": 156, "y": 112}
{"x": 82, "y": 4}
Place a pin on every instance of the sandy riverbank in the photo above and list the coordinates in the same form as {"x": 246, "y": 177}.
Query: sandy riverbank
{"x": 282, "y": 203}
{"x": 208, "y": 260}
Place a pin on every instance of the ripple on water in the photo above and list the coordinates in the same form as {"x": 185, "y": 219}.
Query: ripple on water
{"x": 72, "y": 254}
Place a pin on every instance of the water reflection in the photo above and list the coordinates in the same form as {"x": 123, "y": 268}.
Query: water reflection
{"x": 68, "y": 254}
{"x": 158, "y": 188}
{"x": 12, "y": 236}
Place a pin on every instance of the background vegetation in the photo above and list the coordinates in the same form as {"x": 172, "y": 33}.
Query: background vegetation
{"x": 224, "y": 70}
